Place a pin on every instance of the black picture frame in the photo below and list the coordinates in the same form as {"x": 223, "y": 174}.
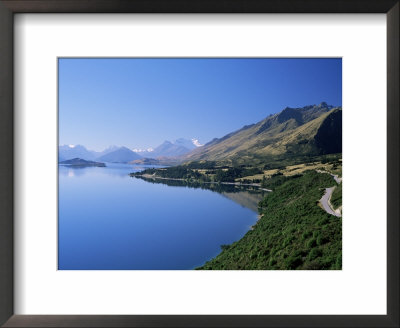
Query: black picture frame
{"x": 10, "y": 7}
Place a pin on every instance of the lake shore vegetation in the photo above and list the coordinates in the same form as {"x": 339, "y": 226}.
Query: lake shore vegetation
{"x": 293, "y": 232}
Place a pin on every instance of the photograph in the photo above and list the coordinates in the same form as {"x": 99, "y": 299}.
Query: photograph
{"x": 199, "y": 163}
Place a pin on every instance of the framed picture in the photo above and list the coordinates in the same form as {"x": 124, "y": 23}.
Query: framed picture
{"x": 165, "y": 166}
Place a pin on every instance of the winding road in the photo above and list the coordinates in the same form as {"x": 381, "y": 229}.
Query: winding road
{"x": 325, "y": 201}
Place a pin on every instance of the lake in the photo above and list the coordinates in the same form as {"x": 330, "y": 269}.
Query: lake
{"x": 111, "y": 221}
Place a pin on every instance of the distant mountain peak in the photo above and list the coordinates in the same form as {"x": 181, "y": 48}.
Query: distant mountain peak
{"x": 175, "y": 148}
{"x": 70, "y": 151}
{"x": 196, "y": 142}
{"x": 71, "y": 146}
{"x": 120, "y": 155}
{"x": 188, "y": 143}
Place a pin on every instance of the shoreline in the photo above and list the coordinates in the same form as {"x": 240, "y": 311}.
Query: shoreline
{"x": 252, "y": 227}
{"x": 148, "y": 176}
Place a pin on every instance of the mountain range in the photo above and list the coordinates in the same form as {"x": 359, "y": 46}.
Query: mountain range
{"x": 120, "y": 155}
{"x": 304, "y": 131}
{"x": 168, "y": 149}
{"x": 176, "y": 148}
{"x": 67, "y": 152}
{"x": 309, "y": 130}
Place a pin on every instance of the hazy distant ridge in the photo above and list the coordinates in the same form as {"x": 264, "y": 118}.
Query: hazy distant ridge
{"x": 167, "y": 149}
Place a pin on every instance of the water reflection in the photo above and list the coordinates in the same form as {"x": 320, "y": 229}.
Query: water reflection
{"x": 111, "y": 169}
{"x": 246, "y": 196}
{"x": 111, "y": 221}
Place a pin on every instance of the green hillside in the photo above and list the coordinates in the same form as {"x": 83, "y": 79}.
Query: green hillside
{"x": 289, "y": 154}
{"x": 311, "y": 131}
{"x": 292, "y": 233}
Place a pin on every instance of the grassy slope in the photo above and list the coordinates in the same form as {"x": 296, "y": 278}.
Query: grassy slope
{"x": 293, "y": 232}
{"x": 247, "y": 145}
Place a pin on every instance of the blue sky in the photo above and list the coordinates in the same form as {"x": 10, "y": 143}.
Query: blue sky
{"x": 139, "y": 103}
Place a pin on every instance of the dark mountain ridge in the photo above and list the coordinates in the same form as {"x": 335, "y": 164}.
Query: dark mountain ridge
{"x": 309, "y": 130}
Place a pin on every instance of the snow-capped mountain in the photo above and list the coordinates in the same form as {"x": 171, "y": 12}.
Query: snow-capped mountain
{"x": 196, "y": 142}
{"x": 66, "y": 152}
{"x": 114, "y": 153}
{"x": 179, "y": 147}
{"x": 189, "y": 144}
{"x": 139, "y": 150}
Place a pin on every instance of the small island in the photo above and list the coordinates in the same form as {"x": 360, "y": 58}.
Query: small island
{"x": 79, "y": 162}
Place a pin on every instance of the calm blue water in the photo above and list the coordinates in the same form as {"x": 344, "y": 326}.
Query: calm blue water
{"x": 110, "y": 221}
